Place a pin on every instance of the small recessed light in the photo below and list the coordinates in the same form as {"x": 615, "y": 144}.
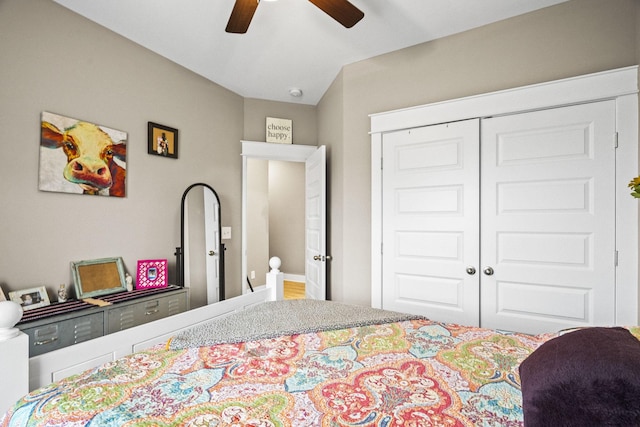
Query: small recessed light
{"x": 295, "y": 92}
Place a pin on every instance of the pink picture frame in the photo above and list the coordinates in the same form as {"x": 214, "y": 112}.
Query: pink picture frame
{"x": 151, "y": 273}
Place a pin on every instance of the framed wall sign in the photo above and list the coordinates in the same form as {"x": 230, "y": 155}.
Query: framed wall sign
{"x": 31, "y": 298}
{"x": 163, "y": 140}
{"x": 152, "y": 273}
{"x": 98, "y": 277}
{"x": 279, "y": 130}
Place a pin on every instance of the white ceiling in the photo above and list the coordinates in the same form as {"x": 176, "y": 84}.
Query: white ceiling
{"x": 290, "y": 43}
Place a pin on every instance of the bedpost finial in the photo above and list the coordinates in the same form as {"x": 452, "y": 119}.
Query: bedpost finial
{"x": 10, "y": 314}
{"x": 275, "y": 264}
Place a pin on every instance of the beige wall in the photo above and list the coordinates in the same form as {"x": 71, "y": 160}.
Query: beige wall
{"x": 256, "y": 111}
{"x": 90, "y": 73}
{"x": 275, "y": 217}
{"x": 93, "y": 74}
{"x": 330, "y": 133}
{"x": 286, "y": 215}
{"x": 257, "y": 220}
{"x": 55, "y": 60}
{"x": 573, "y": 38}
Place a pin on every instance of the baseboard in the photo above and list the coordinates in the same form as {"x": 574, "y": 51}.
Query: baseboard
{"x": 294, "y": 277}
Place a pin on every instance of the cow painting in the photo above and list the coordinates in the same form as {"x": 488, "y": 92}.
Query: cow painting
{"x": 81, "y": 157}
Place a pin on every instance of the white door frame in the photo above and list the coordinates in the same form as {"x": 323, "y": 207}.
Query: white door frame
{"x": 265, "y": 151}
{"x": 620, "y": 85}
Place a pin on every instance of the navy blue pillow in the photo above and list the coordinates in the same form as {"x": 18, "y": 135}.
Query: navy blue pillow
{"x": 589, "y": 377}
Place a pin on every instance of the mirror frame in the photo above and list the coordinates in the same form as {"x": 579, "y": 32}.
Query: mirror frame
{"x": 180, "y": 251}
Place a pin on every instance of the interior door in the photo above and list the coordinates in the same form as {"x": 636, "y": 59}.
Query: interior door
{"x": 212, "y": 246}
{"x": 316, "y": 257}
{"x": 548, "y": 219}
{"x": 430, "y": 221}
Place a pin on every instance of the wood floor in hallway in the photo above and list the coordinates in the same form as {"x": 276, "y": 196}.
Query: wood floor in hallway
{"x": 293, "y": 290}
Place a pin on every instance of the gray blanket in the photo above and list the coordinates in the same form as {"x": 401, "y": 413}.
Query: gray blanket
{"x": 277, "y": 318}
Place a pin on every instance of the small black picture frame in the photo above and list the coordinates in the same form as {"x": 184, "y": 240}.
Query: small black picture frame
{"x": 163, "y": 140}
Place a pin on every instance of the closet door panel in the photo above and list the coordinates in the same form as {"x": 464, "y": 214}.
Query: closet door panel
{"x": 430, "y": 221}
{"x": 547, "y": 218}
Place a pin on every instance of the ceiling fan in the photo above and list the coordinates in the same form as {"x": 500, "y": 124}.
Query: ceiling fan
{"x": 340, "y": 10}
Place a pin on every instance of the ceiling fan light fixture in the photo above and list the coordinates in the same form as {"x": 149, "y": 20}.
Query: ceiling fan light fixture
{"x": 295, "y": 92}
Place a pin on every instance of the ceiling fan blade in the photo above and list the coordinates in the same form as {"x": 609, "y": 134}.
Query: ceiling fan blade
{"x": 340, "y": 10}
{"x": 241, "y": 16}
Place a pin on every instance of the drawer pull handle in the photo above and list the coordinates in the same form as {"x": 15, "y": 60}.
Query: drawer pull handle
{"x": 149, "y": 313}
{"x": 45, "y": 342}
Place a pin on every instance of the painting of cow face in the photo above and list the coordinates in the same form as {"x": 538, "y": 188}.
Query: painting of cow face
{"x": 81, "y": 157}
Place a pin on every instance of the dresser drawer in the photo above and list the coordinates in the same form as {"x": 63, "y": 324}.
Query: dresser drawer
{"x": 55, "y": 335}
{"x": 139, "y": 313}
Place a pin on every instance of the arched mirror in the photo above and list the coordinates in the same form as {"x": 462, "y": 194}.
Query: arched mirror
{"x": 200, "y": 257}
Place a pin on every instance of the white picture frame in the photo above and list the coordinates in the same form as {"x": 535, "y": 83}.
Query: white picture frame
{"x": 31, "y": 298}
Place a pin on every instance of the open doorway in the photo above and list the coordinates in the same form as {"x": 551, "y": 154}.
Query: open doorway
{"x": 275, "y": 221}
{"x": 313, "y": 198}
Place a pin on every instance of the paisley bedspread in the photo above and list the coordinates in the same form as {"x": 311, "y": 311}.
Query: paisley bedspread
{"x": 414, "y": 372}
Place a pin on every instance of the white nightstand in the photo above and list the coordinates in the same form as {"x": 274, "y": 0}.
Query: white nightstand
{"x": 14, "y": 359}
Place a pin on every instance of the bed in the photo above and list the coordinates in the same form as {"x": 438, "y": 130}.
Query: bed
{"x": 300, "y": 363}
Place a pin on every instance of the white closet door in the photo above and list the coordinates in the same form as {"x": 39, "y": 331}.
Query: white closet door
{"x": 430, "y": 221}
{"x": 548, "y": 224}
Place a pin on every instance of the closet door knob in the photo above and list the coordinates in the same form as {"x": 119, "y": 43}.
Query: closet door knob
{"x": 471, "y": 271}
{"x": 488, "y": 271}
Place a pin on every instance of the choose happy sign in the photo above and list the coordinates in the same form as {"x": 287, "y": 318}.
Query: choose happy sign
{"x": 279, "y": 130}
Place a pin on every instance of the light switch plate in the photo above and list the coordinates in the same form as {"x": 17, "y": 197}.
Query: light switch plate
{"x": 226, "y": 233}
